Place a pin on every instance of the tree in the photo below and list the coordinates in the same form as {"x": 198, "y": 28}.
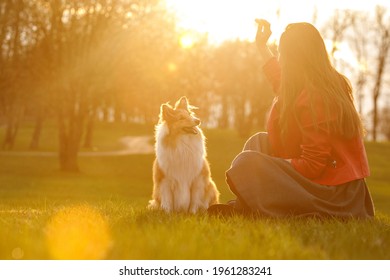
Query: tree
{"x": 382, "y": 43}
{"x": 360, "y": 45}
{"x": 142, "y": 80}
{"x": 243, "y": 93}
{"x": 12, "y": 73}
{"x": 85, "y": 47}
{"x": 336, "y": 30}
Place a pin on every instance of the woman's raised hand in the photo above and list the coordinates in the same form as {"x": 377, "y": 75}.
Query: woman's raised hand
{"x": 263, "y": 33}
{"x": 262, "y": 36}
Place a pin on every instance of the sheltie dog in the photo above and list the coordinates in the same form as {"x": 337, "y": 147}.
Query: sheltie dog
{"x": 181, "y": 174}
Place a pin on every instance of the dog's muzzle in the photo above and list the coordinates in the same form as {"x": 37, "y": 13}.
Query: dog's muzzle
{"x": 191, "y": 129}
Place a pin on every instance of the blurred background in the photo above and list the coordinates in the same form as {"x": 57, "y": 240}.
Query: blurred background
{"x": 72, "y": 64}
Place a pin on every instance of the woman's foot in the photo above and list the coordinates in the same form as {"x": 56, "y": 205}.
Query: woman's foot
{"x": 232, "y": 207}
{"x": 221, "y": 209}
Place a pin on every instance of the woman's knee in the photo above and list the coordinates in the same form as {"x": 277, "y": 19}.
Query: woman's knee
{"x": 248, "y": 160}
{"x": 258, "y": 143}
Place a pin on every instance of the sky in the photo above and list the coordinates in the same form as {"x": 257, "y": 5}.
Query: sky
{"x": 231, "y": 19}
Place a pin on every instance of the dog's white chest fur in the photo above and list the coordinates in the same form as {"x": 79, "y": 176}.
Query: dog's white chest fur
{"x": 183, "y": 161}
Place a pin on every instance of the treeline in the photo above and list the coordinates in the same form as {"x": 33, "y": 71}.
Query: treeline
{"x": 79, "y": 62}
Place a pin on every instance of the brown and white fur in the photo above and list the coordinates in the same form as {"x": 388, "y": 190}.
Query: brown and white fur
{"x": 181, "y": 173}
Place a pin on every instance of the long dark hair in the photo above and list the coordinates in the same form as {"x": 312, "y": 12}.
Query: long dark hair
{"x": 306, "y": 66}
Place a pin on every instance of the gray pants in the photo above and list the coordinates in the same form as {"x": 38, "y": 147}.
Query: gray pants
{"x": 271, "y": 186}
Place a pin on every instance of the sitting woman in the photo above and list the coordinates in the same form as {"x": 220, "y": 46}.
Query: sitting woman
{"x": 312, "y": 160}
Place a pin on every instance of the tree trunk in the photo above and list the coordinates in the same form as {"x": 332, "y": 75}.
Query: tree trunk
{"x": 12, "y": 127}
{"x": 10, "y": 134}
{"x": 34, "y": 144}
{"x": 68, "y": 156}
{"x": 223, "y": 121}
{"x": 88, "y": 140}
{"x": 376, "y": 93}
{"x": 375, "y": 118}
{"x": 70, "y": 131}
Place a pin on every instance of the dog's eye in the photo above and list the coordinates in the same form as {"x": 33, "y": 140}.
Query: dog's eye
{"x": 182, "y": 118}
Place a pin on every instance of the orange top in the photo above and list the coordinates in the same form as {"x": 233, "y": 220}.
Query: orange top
{"x": 316, "y": 153}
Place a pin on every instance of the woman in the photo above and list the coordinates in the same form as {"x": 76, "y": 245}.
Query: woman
{"x": 312, "y": 160}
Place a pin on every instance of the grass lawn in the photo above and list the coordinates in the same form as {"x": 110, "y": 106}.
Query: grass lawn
{"x": 100, "y": 213}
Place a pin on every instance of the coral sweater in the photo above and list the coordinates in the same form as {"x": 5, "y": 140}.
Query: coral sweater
{"x": 318, "y": 155}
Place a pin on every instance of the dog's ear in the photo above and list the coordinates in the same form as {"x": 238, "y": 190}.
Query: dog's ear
{"x": 166, "y": 112}
{"x": 182, "y": 103}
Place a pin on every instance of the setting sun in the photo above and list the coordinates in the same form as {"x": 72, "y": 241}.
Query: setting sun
{"x": 187, "y": 41}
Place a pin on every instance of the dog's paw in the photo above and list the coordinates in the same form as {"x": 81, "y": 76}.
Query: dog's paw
{"x": 193, "y": 210}
{"x": 153, "y": 205}
{"x": 197, "y": 208}
{"x": 166, "y": 208}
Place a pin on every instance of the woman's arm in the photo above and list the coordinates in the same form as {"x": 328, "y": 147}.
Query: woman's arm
{"x": 262, "y": 36}
{"x": 270, "y": 65}
{"x": 315, "y": 152}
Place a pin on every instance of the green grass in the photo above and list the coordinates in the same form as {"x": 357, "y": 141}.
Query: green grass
{"x": 379, "y": 181}
{"x": 47, "y": 214}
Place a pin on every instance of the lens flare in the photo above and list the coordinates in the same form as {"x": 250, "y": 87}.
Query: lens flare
{"x": 172, "y": 67}
{"x": 17, "y": 253}
{"x": 77, "y": 233}
{"x": 187, "y": 41}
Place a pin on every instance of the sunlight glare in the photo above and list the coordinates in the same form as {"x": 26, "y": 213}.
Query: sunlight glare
{"x": 172, "y": 67}
{"x": 363, "y": 66}
{"x": 77, "y": 233}
{"x": 234, "y": 19}
{"x": 17, "y": 253}
{"x": 187, "y": 41}
{"x": 230, "y": 20}
{"x": 343, "y": 53}
{"x": 81, "y": 12}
